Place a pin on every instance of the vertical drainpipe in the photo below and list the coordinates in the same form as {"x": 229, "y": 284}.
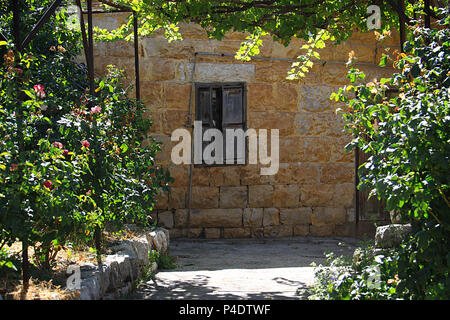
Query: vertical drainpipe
{"x": 189, "y": 125}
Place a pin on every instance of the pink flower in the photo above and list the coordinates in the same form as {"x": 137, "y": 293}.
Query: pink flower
{"x": 13, "y": 167}
{"x": 48, "y": 184}
{"x": 89, "y": 192}
{"x": 58, "y": 145}
{"x": 86, "y": 144}
{"x": 39, "y": 89}
{"x": 52, "y": 48}
{"x": 96, "y": 109}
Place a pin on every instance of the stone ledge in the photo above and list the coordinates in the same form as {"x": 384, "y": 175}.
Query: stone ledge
{"x": 121, "y": 269}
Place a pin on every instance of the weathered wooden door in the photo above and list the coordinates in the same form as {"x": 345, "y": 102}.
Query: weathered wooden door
{"x": 367, "y": 209}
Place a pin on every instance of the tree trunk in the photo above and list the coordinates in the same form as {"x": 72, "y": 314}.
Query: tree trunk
{"x": 98, "y": 244}
{"x": 25, "y": 269}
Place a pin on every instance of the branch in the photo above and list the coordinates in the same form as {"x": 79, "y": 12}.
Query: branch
{"x": 444, "y": 197}
{"x": 3, "y": 37}
{"x": 429, "y": 12}
{"x": 403, "y": 17}
{"x": 114, "y": 5}
{"x": 239, "y": 6}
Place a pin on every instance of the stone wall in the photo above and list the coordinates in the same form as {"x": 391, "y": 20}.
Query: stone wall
{"x": 313, "y": 191}
{"x": 121, "y": 270}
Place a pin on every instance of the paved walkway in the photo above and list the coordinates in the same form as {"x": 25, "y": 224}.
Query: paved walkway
{"x": 241, "y": 269}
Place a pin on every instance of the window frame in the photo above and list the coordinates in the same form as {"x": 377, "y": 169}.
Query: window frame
{"x": 222, "y": 85}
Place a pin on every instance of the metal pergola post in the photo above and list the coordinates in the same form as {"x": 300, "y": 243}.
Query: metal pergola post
{"x": 84, "y": 37}
{"x": 427, "y": 16}
{"x": 88, "y": 40}
{"x": 402, "y": 21}
{"x": 16, "y": 24}
{"x": 89, "y": 53}
{"x": 90, "y": 50}
{"x": 136, "y": 56}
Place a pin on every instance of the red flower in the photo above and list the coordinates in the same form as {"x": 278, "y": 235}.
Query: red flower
{"x": 39, "y": 89}
{"x": 48, "y": 184}
{"x": 86, "y": 144}
{"x": 65, "y": 152}
{"x": 13, "y": 167}
{"x": 58, "y": 145}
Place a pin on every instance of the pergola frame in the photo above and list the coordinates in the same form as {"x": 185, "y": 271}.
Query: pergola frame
{"x": 88, "y": 40}
{"x": 88, "y": 46}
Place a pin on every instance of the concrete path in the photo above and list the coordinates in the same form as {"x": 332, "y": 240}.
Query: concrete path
{"x": 241, "y": 269}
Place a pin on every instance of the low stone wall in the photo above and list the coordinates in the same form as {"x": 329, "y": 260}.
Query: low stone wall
{"x": 121, "y": 269}
{"x": 392, "y": 235}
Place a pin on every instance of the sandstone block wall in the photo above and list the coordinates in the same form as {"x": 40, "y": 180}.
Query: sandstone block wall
{"x": 313, "y": 191}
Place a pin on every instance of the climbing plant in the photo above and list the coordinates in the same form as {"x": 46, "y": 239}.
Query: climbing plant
{"x": 316, "y": 22}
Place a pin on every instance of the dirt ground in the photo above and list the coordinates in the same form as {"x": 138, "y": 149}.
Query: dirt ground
{"x": 48, "y": 284}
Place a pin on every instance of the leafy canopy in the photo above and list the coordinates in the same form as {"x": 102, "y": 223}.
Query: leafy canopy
{"x": 315, "y": 21}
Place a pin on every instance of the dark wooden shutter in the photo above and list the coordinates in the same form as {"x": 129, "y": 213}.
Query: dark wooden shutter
{"x": 204, "y": 112}
{"x": 233, "y": 102}
{"x": 234, "y": 117}
{"x": 368, "y": 209}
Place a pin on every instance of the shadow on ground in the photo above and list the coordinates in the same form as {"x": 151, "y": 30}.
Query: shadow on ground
{"x": 198, "y": 288}
{"x": 253, "y": 253}
{"x": 242, "y": 269}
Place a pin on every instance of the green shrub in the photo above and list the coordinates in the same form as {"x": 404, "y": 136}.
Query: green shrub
{"x": 407, "y": 137}
{"x": 163, "y": 261}
{"x": 368, "y": 276}
{"x": 70, "y": 163}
